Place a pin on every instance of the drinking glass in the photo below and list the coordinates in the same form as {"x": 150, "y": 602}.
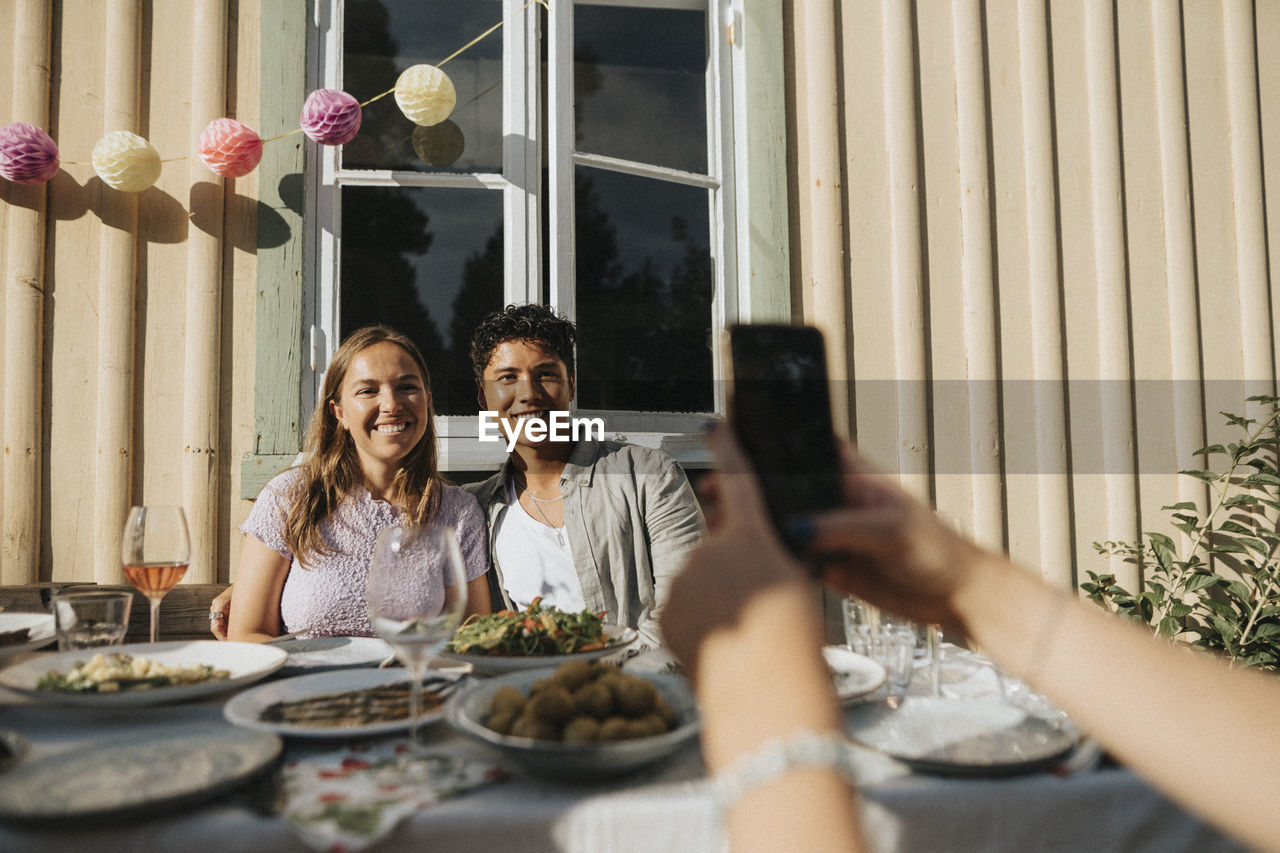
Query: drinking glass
{"x": 886, "y": 639}
{"x": 155, "y": 552}
{"x": 417, "y": 594}
{"x": 85, "y": 620}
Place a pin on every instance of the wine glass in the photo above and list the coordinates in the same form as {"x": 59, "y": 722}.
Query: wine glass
{"x": 417, "y": 595}
{"x": 155, "y": 551}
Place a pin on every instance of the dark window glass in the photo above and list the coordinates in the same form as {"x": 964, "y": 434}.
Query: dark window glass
{"x": 381, "y": 38}
{"x": 640, "y": 85}
{"x": 427, "y": 262}
{"x": 643, "y": 277}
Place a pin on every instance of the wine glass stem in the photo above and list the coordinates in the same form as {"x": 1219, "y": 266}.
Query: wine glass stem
{"x": 155, "y": 618}
{"x": 935, "y": 660}
{"x": 415, "y": 705}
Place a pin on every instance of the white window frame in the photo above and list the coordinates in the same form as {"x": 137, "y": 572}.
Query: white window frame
{"x": 736, "y": 297}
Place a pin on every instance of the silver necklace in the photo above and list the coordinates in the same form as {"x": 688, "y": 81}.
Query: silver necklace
{"x": 524, "y": 487}
{"x": 559, "y": 530}
{"x": 537, "y": 499}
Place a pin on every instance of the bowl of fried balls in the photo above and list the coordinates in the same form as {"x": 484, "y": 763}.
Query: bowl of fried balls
{"x": 581, "y": 720}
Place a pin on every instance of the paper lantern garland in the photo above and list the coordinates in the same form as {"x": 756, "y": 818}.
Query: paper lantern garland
{"x": 27, "y": 154}
{"x": 126, "y": 162}
{"x": 331, "y": 117}
{"x": 425, "y": 94}
{"x": 230, "y": 148}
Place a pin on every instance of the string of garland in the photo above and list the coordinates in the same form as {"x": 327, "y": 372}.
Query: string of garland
{"x": 229, "y": 148}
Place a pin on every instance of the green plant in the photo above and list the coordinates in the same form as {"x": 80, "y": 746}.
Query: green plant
{"x": 1219, "y": 588}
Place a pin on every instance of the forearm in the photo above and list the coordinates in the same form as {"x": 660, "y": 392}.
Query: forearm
{"x": 1165, "y": 711}
{"x": 762, "y": 679}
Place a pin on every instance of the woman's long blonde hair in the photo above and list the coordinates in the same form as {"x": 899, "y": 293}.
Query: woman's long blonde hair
{"x": 331, "y": 468}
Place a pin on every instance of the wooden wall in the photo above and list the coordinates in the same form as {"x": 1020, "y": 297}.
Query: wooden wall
{"x": 1036, "y": 233}
{"x": 128, "y": 318}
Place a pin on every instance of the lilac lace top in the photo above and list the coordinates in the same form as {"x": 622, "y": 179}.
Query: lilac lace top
{"x": 327, "y": 596}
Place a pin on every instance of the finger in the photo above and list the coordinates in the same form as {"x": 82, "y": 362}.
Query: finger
{"x": 863, "y": 482}
{"x": 861, "y": 532}
{"x": 739, "y": 491}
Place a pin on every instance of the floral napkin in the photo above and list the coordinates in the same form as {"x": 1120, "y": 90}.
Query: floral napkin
{"x": 343, "y": 801}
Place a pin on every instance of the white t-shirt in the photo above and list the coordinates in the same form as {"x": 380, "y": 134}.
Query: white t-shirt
{"x": 536, "y": 559}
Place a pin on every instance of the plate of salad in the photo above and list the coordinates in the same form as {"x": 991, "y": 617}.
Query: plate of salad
{"x": 538, "y": 636}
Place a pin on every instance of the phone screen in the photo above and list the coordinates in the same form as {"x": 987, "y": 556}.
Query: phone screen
{"x": 780, "y": 410}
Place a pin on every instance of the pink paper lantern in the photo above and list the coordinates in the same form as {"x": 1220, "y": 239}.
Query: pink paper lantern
{"x": 331, "y": 117}
{"x": 27, "y": 154}
{"x": 230, "y": 148}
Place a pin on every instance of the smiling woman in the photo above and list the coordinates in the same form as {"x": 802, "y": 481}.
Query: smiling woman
{"x": 370, "y": 463}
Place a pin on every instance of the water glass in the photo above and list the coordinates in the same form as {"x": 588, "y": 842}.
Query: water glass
{"x": 85, "y": 620}
{"x": 886, "y": 639}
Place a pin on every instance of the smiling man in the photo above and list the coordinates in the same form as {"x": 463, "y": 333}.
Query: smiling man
{"x": 583, "y": 523}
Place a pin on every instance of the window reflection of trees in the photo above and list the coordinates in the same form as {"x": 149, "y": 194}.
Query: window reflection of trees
{"x": 644, "y": 317}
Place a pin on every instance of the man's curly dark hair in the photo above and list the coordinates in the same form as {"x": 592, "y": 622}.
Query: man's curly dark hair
{"x": 536, "y": 324}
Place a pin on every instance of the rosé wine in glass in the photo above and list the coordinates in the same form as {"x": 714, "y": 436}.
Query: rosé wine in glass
{"x": 155, "y": 551}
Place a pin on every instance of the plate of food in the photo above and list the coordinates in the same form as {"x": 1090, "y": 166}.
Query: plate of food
{"x": 536, "y": 637}
{"x": 344, "y": 703}
{"x": 24, "y": 632}
{"x": 961, "y": 737}
{"x": 152, "y": 770}
{"x": 142, "y": 673}
{"x": 854, "y": 676}
{"x": 582, "y": 720}
{"x": 317, "y": 654}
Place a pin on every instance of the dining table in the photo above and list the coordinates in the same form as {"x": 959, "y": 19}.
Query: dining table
{"x": 1085, "y": 803}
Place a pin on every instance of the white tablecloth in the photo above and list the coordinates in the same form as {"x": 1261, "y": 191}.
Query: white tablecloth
{"x": 661, "y": 809}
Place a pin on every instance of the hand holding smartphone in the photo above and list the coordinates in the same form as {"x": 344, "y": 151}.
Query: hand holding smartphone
{"x": 780, "y": 411}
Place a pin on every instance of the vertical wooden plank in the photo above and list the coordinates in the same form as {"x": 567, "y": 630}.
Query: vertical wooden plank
{"x": 24, "y": 308}
{"x": 763, "y": 240}
{"x": 906, "y": 253}
{"x": 977, "y": 276}
{"x": 1246, "y": 193}
{"x": 820, "y": 236}
{"x": 1110, "y": 308}
{"x": 279, "y": 339}
{"x": 1178, "y": 242}
{"x": 204, "y": 298}
{"x": 116, "y": 303}
{"x": 1266, "y": 18}
{"x": 1052, "y": 526}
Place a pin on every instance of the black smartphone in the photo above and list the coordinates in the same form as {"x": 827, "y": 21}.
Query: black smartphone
{"x": 780, "y": 411}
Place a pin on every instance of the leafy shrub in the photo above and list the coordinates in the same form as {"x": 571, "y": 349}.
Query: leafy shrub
{"x": 1220, "y": 588}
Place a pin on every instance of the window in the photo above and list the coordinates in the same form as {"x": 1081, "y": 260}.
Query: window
{"x": 589, "y": 164}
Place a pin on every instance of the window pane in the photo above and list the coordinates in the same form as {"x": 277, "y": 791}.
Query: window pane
{"x": 427, "y": 262}
{"x": 640, "y": 85}
{"x": 381, "y": 38}
{"x": 643, "y": 277}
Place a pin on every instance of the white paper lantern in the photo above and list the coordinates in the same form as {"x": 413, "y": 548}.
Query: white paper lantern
{"x": 126, "y": 162}
{"x": 425, "y": 94}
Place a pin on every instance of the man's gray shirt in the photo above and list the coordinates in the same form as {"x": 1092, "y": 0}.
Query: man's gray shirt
{"x": 631, "y": 518}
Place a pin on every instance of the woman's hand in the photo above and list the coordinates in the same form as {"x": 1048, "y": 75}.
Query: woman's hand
{"x": 219, "y": 612}
{"x": 741, "y": 558}
{"x": 890, "y": 549}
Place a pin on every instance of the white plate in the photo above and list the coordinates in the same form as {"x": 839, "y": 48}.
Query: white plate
{"x": 247, "y": 662}
{"x": 154, "y": 768}
{"x": 960, "y": 737}
{"x": 245, "y": 709}
{"x": 316, "y": 654}
{"x": 39, "y": 624}
{"x": 619, "y": 638}
{"x": 853, "y": 675}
